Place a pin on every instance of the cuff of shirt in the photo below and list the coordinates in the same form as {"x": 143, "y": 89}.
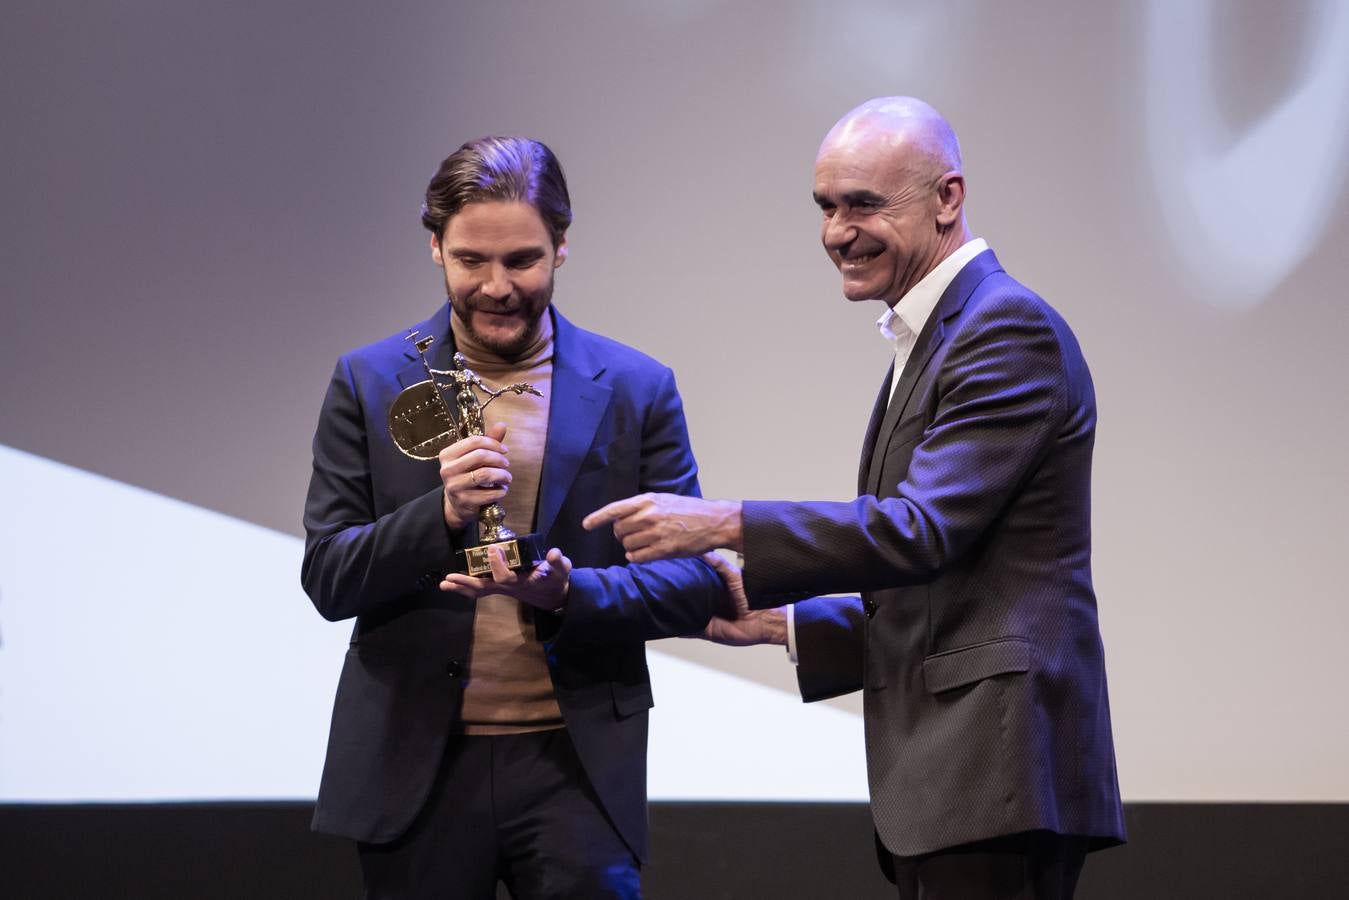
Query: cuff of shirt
{"x": 791, "y": 633}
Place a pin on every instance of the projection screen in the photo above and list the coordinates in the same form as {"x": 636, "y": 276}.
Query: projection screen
{"x": 208, "y": 203}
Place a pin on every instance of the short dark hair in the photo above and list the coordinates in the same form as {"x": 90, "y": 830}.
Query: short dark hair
{"x": 499, "y": 168}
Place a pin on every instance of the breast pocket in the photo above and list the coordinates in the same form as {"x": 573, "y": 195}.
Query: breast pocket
{"x": 617, "y": 452}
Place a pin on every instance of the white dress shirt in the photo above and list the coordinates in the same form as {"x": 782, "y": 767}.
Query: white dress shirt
{"x": 900, "y": 325}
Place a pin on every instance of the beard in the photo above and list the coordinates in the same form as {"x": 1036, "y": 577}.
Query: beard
{"x": 505, "y": 327}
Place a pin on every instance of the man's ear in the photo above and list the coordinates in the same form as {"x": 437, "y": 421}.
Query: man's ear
{"x": 560, "y": 254}
{"x": 951, "y": 199}
{"x": 436, "y": 255}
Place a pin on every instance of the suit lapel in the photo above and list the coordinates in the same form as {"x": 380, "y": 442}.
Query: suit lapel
{"x": 933, "y": 335}
{"x": 575, "y": 411}
{"x": 873, "y": 428}
{"x": 931, "y": 338}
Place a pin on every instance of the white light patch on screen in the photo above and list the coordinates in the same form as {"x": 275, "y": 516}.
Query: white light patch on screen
{"x": 718, "y": 737}
{"x": 1244, "y": 211}
{"x": 153, "y": 650}
{"x": 150, "y": 649}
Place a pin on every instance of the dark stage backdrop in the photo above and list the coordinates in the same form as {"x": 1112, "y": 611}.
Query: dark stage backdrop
{"x": 701, "y": 851}
{"x": 206, "y": 203}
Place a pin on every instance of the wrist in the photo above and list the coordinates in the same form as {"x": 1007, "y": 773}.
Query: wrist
{"x": 775, "y": 626}
{"x": 452, "y": 518}
{"x": 730, "y": 529}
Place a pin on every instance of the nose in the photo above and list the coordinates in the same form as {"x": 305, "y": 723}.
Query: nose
{"x": 838, "y": 234}
{"x": 498, "y": 283}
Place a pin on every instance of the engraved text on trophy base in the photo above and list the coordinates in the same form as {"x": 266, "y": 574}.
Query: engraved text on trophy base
{"x": 480, "y": 564}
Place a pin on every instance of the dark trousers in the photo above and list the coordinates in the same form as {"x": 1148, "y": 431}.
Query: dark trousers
{"x": 1032, "y": 866}
{"x": 512, "y": 808}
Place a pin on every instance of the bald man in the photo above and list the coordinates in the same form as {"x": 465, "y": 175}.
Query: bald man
{"x": 975, "y": 638}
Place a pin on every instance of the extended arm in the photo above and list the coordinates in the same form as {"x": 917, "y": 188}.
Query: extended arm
{"x": 652, "y": 600}
{"x": 1001, "y": 398}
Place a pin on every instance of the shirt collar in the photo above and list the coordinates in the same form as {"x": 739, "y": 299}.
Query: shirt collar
{"x": 905, "y": 320}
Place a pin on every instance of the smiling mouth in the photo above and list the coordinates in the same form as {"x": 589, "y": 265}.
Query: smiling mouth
{"x": 860, "y": 259}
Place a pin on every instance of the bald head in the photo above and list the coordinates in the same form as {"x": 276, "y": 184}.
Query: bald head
{"x": 888, "y": 180}
{"x": 921, "y": 136}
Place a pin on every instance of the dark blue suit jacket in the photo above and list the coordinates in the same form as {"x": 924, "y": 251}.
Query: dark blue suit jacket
{"x": 975, "y": 639}
{"x": 377, "y": 545}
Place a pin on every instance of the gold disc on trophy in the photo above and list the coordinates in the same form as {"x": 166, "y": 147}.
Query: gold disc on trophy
{"x": 419, "y": 423}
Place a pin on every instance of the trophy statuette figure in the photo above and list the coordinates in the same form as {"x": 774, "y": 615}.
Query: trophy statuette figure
{"x": 422, "y": 422}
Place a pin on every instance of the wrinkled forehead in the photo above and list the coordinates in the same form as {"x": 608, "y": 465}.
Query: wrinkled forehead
{"x": 860, "y": 157}
{"x": 861, "y": 128}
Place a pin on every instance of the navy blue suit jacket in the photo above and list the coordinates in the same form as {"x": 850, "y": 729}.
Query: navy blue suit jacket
{"x": 975, "y": 639}
{"x": 377, "y": 545}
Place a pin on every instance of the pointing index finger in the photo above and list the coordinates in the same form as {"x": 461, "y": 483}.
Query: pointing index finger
{"x": 612, "y": 512}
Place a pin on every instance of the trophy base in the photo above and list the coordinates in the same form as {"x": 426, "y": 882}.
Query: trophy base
{"x": 521, "y": 553}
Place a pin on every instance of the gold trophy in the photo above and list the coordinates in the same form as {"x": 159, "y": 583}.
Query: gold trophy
{"x": 421, "y": 423}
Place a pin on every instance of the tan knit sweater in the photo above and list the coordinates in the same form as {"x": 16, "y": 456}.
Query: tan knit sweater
{"x": 508, "y": 689}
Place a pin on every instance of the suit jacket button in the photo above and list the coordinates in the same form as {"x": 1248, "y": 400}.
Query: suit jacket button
{"x": 454, "y": 668}
{"x": 869, "y": 607}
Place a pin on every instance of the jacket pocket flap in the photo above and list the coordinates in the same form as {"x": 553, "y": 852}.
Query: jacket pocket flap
{"x": 965, "y": 665}
{"x": 631, "y": 698}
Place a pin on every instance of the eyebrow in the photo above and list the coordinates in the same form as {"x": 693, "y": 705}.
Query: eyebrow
{"x": 852, "y": 198}
{"x": 529, "y": 252}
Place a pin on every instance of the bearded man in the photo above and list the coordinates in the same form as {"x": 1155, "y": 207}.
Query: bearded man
{"x": 494, "y": 729}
